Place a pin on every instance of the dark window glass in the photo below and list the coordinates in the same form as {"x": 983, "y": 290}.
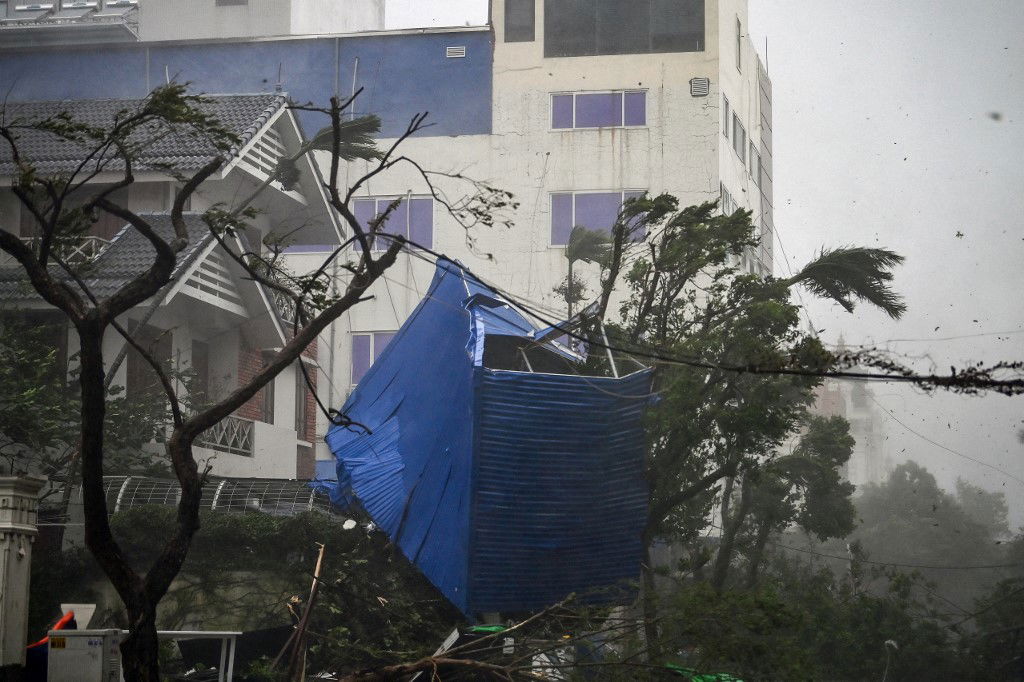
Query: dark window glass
{"x": 622, "y": 27}
{"x": 599, "y": 110}
{"x": 421, "y": 222}
{"x": 380, "y": 342}
{"x": 412, "y": 218}
{"x": 268, "y": 402}
{"x": 561, "y": 218}
{"x": 200, "y": 372}
{"x": 301, "y": 391}
{"x": 360, "y": 356}
{"x": 635, "y": 109}
{"x": 561, "y": 111}
{"x": 570, "y": 28}
{"x": 519, "y": 21}
{"x": 140, "y": 379}
{"x": 575, "y": 28}
{"x": 593, "y": 210}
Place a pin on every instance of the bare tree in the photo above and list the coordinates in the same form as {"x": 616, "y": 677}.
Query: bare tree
{"x": 61, "y": 206}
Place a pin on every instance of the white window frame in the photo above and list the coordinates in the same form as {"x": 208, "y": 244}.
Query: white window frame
{"x": 574, "y": 192}
{"x": 726, "y": 116}
{"x": 373, "y": 350}
{"x": 574, "y": 93}
{"x": 381, "y": 245}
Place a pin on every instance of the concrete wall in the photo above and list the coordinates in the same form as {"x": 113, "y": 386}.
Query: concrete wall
{"x": 212, "y": 19}
{"x": 336, "y": 16}
{"x": 198, "y": 19}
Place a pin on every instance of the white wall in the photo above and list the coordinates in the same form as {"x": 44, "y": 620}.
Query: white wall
{"x": 336, "y": 16}
{"x": 199, "y": 19}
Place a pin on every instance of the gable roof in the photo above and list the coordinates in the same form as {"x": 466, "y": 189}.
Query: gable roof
{"x": 128, "y": 255}
{"x": 243, "y": 115}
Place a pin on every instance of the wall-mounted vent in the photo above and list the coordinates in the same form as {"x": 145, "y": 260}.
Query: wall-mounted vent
{"x": 700, "y": 87}
{"x": 455, "y": 51}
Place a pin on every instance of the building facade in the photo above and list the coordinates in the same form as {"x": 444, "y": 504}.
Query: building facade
{"x": 571, "y": 106}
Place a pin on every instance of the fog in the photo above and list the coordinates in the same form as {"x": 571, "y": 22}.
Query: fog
{"x": 899, "y": 125}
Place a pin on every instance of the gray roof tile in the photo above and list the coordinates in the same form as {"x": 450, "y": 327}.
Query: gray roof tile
{"x": 128, "y": 255}
{"x": 243, "y": 115}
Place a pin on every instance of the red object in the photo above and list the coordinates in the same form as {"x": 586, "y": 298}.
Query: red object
{"x": 64, "y": 621}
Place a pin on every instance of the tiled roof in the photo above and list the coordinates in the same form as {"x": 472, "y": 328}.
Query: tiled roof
{"x": 128, "y": 255}
{"x": 243, "y": 115}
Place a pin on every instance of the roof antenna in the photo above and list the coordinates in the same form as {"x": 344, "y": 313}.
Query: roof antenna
{"x": 277, "y": 87}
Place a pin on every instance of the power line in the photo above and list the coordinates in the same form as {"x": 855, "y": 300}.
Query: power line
{"x": 943, "y": 447}
{"x": 1010, "y": 386}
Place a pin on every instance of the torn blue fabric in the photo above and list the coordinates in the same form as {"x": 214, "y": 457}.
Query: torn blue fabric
{"x": 508, "y": 489}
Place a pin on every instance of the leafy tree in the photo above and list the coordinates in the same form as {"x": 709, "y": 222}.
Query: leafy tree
{"x": 62, "y": 205}
{"x": 983, "y": 507}
{"x": 731, "y": 407}
{"x": 805, "y": 488}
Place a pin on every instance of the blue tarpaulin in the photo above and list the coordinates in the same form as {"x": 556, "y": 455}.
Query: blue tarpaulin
{"x": 509, "y": 489}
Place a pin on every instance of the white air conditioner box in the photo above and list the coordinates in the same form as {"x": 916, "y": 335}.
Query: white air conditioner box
{"x": 84, "y": 656}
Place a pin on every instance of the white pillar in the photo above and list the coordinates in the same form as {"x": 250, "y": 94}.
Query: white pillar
{"x": 18, "y": 505}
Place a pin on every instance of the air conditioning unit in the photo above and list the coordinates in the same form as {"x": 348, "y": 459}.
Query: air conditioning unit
{"x": 84, "y": 656}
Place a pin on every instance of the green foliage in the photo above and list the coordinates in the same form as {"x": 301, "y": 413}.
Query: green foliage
{"x": 40, "y": 403}
{"x": 754, "y": 635}
{"x": 848, "y": 274}
{"x": 247, "y": 570}
{"x": 355, "y": 139}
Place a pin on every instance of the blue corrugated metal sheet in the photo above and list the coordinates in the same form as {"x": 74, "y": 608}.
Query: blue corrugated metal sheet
{"x": 508, "y": 490}
{"x": 559, "y": 495}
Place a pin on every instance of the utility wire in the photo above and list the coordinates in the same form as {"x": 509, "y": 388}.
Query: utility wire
{"x": 1010, "y": 384}
{"x": 943, "y": 447}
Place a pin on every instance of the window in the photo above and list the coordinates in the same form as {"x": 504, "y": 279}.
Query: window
{"x": 727, "y": 204}
{"x": 594, "y": 210}
{"x": 267, "y": 408}
{"x": 726, "y": 116}
{"x": 140, "y": 379}
{"x": 576, "y": 28}
{"x": 519, "y": 21}
{"x": 301, "y": 392}
{"x": 412, "y": 219}
{"x": 200, "y": 372}
{"x": 366, "y": 348}
{"x": 739, "y": 138}
{"x": 739, "y": 45}
{"x": 599, "y": 109}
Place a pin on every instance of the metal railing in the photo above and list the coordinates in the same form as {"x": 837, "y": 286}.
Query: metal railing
{"x": 74, "y": 252}
{"x": 232, "y": 434}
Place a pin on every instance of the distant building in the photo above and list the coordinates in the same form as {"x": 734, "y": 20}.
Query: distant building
{"x": 572, "y": 106}
{"x": 854, "y": 401}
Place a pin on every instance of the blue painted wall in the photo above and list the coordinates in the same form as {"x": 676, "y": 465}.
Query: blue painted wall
{"x": 401, "y": 74}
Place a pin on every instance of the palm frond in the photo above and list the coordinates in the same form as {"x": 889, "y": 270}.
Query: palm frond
{"x": 586, "y": 245}
{"x": 854, "y": 273}
{"x": 357, "y": 141}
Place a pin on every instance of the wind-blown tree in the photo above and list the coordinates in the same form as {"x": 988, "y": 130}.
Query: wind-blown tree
{"x": 746, "y": 370}
{"x": 61, "y": 207}
{"x": 805, "y": 488}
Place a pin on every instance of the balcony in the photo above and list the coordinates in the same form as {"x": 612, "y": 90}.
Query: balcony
{"x": 75, "y": 253}
{"x": 232, "y": 434}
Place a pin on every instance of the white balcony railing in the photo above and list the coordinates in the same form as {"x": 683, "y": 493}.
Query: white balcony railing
{"x": 78, "y": 252}
{"x": 232, "y": 434}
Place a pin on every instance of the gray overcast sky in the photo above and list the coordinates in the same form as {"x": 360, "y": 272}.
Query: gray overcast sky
{"x": 899, "y": 125}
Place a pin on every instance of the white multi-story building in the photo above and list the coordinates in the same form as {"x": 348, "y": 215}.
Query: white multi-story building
{"x": 571, "y": 106}
{"x": 68, "y": 22}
